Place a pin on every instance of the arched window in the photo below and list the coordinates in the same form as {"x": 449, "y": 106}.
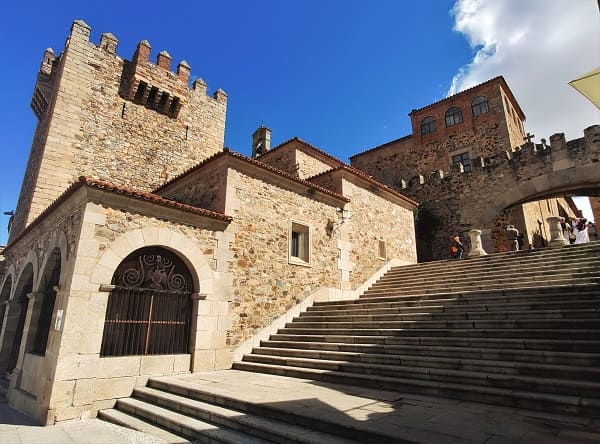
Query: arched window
{"x": 479, "y": 106}
{"x": 453, "y": 116}
{"x": 428, "y": 125}
{"x": 149, "y": 310}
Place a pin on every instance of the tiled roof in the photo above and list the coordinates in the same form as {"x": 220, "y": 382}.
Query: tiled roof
{"x": 382, "y": 146}
{"x": 305, "y": 143}
{"x": 118, "y": 189}
{"x": 368, "y": 178}
{"x": 495, "y": 79}
{"x": 255, "y": 162}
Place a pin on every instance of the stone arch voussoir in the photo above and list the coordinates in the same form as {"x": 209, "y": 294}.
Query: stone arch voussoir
{"x": 185, "y": 247}
{"x": 585, "y": 176}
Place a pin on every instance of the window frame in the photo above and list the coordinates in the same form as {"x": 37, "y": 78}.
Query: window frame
{"x": 299, "y": 243}
{"x": 452, "y": 113}
{"x": 478, "y": 103}
{"x": 381, "y": 250}
{"x": 466, "y": 168}
{"x": 428, "y": 125}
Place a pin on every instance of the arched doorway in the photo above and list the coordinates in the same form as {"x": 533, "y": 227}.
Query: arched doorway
{"x": 149, "y": 309}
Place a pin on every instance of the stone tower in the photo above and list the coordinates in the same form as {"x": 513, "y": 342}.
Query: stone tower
{"x": 261, "y": 141}
{"x": 133, "y": 123}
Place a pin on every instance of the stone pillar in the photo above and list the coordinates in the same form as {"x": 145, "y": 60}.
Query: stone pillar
{"x": 556, "y": 235}
{"x": 476, "y": 248}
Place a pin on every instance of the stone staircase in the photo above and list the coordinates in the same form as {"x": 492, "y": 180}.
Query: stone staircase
{"x": 519, "y": 329}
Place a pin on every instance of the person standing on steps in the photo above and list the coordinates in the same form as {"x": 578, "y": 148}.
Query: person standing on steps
{"x": 581, "y": 231}
{"x": 456, "y": 248}
{"x": 512, "y": 237}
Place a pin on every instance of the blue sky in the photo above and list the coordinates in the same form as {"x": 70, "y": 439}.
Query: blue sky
{"x": 340, "y": 74}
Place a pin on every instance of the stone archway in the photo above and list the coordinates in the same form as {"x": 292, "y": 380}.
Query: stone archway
{"x": 150, "y": 307}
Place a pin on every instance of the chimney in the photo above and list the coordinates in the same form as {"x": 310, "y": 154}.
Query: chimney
{"x": 261, "y": 141}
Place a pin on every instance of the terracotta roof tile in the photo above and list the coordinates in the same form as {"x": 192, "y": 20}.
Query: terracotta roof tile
{"x": 369, "y": 179}
{"x": 382, "y": 145}
{"x": 297, "y": 139}
{"x": 255, "y": 162}
{"x": 107, "y": 186}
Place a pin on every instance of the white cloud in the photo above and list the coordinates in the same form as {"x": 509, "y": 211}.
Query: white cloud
{"x": 538, "y": 46}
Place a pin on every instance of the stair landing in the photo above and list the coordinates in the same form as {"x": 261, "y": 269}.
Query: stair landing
{"x": 385, "y": 416}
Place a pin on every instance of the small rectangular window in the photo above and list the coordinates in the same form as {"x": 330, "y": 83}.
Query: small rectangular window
{"x": 463, "y": 159}
{"x": 299, "y": 243}
{"x": 381, "y": 250}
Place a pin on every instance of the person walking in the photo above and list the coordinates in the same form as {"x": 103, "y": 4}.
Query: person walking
{"x": 581, "y": 231}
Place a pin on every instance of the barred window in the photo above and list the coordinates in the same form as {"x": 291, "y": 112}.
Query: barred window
{"x": 463, "y": 159}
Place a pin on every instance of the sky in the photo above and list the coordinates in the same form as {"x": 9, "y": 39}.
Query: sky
{"x": 341, "y": 74}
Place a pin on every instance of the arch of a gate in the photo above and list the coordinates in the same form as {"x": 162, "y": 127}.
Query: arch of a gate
{"x": 585, "y": 179}
{"x": 15, "y": 320}
{"x": 149, "y": 310}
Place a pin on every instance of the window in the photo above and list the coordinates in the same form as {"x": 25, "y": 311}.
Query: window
{"x": 299, "y": 243}
{"x": 479, "y": 106}
{"x": 463, "y": 159}
{"x": 382, "y": 253}
{"x": 428, "y": 125}
{"x": 453, "y": 116}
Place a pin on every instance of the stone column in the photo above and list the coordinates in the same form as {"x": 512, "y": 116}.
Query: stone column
{"x": 556, "y": 235}
{"x": 476, "y": 248}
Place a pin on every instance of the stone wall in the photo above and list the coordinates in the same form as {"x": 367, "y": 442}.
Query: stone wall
{"x": 459, "y": 201}
{"x": 374, "y": 218}
{"x": 265, "y": 282}
{"x": 95, "y": 125}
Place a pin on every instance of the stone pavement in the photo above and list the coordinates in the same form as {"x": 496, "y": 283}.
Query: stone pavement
{"x": 405, "y": 416}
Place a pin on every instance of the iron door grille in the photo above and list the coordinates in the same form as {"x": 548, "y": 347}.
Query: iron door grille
{"x": 149, "y": 310}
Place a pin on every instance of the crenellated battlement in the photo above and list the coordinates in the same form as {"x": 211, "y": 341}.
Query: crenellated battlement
{"x": 152, "y": 85}
{"x": 106, "y": 117}
{"x": 534, "y": 157}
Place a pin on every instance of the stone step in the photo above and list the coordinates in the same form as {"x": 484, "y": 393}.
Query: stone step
{"x": 447, "y": 298}
{"x": 319, "y": 428}
{"x": 445, "y": 306}
{"x": 475, "y": 324}
{"x": 498, "y": 273}
{"x": 590, "y": 313}
{"x": 541, "y": 384}
{"x": 585, "y": 345}
{"x": 500, "y": 284}
{"x": 132, "y": 422}
{"x": 567, "y": 254}
{"x": 578, "y": 405}
{"x": 469, "y": 332}
{"x": 507, "y": 367}
{"x": 240, "y": 421}
{"x": 494, "y": 354}
{"x": 184, "y": 425}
